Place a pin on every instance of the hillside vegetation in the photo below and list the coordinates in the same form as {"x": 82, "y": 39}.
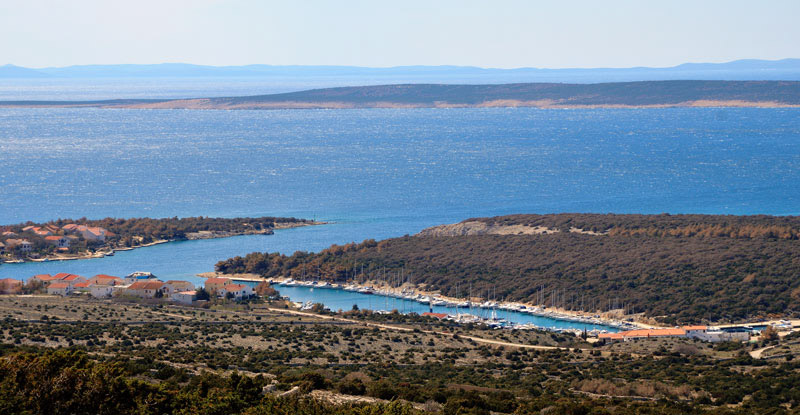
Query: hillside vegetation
{"x": 676, "y": 268}
{"x": 543, "y": 95}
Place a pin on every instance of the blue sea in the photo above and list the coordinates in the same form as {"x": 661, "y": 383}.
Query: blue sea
{"x": 380, "y": 173}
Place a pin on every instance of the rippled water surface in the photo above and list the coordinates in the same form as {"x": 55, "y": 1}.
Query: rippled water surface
{"x": 381, "y": 173}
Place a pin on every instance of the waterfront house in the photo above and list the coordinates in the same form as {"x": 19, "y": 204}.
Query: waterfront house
{"x": 94, "y": 234}
{"x": 103, "y": 279}
{"x": 61, "y": 242}
{"x": 145, "y": 289}
{"x": 22, "y": 245}
{"x": 59, "y": 288}
{"x": 216, "y": 284}
{"x": 2, "y": 248}
{"x": 10, "y": 286}
{"x": 237, "y": 291}
{"x": 183, "y": 297}
{"x": 174, "y": 286}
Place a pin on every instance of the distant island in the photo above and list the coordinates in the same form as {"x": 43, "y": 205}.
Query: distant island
{"x": 645, "y": 94}
{"x": 738, "y": 70}
{"x": 66, "y": 239}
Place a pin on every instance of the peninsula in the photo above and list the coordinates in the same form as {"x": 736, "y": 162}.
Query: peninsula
{"x": 669, "y": 269}
{"x": 66, "y": 239}
{"x": 644, "y": 94}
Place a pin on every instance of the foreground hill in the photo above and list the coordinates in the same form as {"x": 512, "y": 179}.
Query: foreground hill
{"x": 676, "y": 268}
{"x": 541, "y": 95}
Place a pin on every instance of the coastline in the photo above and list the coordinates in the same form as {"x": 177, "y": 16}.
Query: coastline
{"x": 542, "y": 311}
{"x": 109, "y": 251}
{"x": 207, "y": 104}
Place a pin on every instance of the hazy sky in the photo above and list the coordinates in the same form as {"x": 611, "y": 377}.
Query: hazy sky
{"x": 498, "y": 33}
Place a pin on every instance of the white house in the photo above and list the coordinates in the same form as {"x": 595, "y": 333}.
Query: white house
{"x": 59, "y": 288}
{"x": 58, "y": 241}
{"x": 145, "y": 289}
{"x": 103, "y": 279}
{"x": 183, "y": 297}
{"x": 93, "y": 234}
{"x": 101, "y": 291}
{"x": 174, "y": 286}
{"x": 71, "y": 279}
{"x": 23, "y": 245}
{"x": 714, "y": 335}
{"x": 238, "y": 291}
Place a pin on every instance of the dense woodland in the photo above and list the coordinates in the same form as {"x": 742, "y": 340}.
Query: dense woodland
{"x": 679, "y": 269}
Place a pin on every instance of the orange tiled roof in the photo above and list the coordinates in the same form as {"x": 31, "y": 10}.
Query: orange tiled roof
{"x": 71, "y": 277}
{"x": 234, "y": 287}
{"x": 85, "y": 284}
{"x": 695, "y": 327}
{"x": 437, "y": 315}
{"x": 653, "y": 332}
{"x": 613, "y": 336}
{"x": 61, "y": 275}
{"x": 106, "y": 277}
{"x": 59, "y": 285}
{"x": 146, "y": 285}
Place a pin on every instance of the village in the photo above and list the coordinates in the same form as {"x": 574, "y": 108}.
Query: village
{"x": 143, "y": 285}
{"x": 33, "y": 242}
{"x": 146, "y": 286}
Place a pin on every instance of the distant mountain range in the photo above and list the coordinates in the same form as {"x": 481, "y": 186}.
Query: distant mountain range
{"x": 749, "y": 69}
{"x": 541, "y": 95}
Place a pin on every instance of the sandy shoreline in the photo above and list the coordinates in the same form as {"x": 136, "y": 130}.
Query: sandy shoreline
{"x": 206, "y": 104}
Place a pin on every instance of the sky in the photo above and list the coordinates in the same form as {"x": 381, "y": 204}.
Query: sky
{"x": 498, "y": 33}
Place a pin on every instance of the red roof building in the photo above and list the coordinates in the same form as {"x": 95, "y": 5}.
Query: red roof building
{"x": 145, "y": 289}
{"x": 103, "y": 279}
{"x": 440, "y": 316}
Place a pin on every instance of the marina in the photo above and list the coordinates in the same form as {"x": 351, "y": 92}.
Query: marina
{"x": 494, "y": 314}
